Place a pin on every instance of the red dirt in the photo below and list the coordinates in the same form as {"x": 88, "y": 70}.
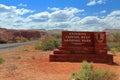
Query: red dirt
{"x": 34, "y": 65}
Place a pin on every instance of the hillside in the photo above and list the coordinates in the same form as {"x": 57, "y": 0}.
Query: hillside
{"x": 10, "y": 35}
{"x": 112, "y": 31}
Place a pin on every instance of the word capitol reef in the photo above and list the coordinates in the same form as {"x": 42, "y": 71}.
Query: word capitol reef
{"x": 79, "y": 46}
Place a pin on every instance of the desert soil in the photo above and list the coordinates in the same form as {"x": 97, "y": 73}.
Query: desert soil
{"x": 26, "y": 63}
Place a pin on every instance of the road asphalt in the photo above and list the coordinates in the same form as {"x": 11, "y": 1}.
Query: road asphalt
{"x": 13, "y": 45}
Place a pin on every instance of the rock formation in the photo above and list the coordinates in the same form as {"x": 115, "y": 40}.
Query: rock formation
{"x": 7, "y": 35}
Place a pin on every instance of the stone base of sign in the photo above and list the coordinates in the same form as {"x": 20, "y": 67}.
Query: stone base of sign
{"x": 81, "y": 57}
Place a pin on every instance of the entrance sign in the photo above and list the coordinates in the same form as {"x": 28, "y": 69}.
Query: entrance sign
{"x": 79, "y": 46}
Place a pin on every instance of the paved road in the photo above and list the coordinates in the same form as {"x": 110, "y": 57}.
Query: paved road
{"x": 12, "y": 45}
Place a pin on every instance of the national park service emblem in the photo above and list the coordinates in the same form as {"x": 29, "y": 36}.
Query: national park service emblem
{"x": 100, "y": 37}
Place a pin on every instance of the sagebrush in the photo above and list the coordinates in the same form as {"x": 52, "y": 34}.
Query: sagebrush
{"x": 47, "y": 43}
{"x": 89, "y": 73}
{"x": 1, "y": 60}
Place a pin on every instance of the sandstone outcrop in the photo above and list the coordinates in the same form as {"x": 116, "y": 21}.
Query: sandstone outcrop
{"x": 9, "y": 35}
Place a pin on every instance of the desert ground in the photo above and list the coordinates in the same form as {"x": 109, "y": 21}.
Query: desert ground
{"x": 26, "y": 63}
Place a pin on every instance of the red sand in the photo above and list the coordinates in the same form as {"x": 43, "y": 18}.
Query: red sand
{"x": 35, "y": 65}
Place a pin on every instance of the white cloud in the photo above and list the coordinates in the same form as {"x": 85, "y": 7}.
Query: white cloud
{"x": 66, "y": 19}
{"x": 103, "y": 11}
{"x": 13, "y": 10}
{"x": 101, "y": 1}
{"x": 39, "y": 17}
{"x": 10, "y": 14}
{"x": 64, "y": 15}
{"x": 12, "y": 17}
{"x": 57, "y": 15}
{"x": 89, "y": 20}
{"x": 22, "y": 5}
{"x": 94, "y": 22}
{"x": 94, "y": 2}
{"x": 23, "y": 11}
{"x": 113, "y": 19}
{"x": 115, "y": 13}
{"x": 58, "y": 18}
{"x": 53, "y": 9}
{"x": 4, "y": 8}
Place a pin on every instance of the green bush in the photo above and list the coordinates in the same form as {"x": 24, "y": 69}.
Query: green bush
{"x": 58, "y": 36}
{"x": 37, "y": 47}
{"x": 55, "y": 43}
{"x": 115, "y": 42}
{"x": 118, "y": 49}
{"x": 117, "y": 37}
{"x": 47, "y": 44}
{"x": 88, "y": 73}
{"x": 1, "y": 60}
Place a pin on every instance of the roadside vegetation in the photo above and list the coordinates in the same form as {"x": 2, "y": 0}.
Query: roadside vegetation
{"x": 89, "y": 73}
{"x": 49, "y": 42}
{"x": 113, "y": 42}
{"x": 1, "y": 60}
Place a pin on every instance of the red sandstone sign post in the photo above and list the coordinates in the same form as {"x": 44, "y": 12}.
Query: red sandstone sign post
{"x": 79, "y": 46}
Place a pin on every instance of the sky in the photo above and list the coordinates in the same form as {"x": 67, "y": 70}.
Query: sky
{"x": 78, "y": 15}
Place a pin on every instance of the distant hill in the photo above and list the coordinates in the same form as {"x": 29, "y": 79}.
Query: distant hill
{"x": 112, "y": 31}
{"x": 113, "y": 37}
{"x": 54, "y": 31}
{"x": 11, "y": 35}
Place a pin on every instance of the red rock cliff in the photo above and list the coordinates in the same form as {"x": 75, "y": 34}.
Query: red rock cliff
{"x": 13, "y": 35}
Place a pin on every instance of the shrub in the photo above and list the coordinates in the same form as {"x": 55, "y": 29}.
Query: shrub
{"x": 85, "y": 73}
{"x": 20, "y": 39}
{"x": 24, "y": 48}
{"x": 58, "y": 36}
{"x": 1, "y": 60}
{"x": 114, "y": 51}
{"x": 113, "y": 41}
{"x": 117, "y": 37}
{"x": 55, "y": 43}
{"x": 104, "y": 75}
{"x": 88, "y": 73}
{"x": 37, "y": 47}
{"x": 47, "y": 43}
{"x": 118, "y": 49}
{"x": 113, "y": 44}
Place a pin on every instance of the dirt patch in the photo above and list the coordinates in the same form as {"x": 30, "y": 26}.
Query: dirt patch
{"x": 30, "y": 64}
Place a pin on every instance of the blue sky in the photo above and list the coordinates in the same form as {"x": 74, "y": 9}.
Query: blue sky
{"x": 82, "y": 15}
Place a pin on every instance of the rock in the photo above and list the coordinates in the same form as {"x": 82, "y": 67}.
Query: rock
{"x": 7, "y": 35}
